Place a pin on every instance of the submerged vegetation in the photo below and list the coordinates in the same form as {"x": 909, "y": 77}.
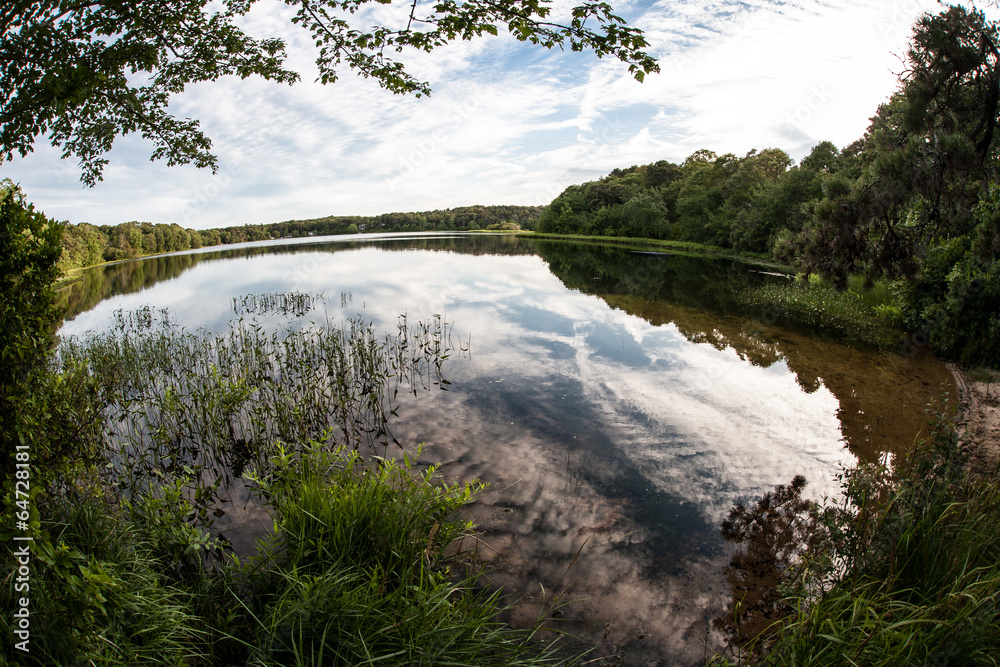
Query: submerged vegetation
{"x": 215, "y": 403}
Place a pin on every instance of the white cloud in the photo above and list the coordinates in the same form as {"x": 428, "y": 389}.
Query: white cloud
{"x": 506, "y": 124}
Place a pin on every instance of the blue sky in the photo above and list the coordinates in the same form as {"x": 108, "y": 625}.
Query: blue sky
{"x": 507, "y": 123}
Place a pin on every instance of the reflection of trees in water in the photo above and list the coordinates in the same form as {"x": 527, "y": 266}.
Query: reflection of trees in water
{"x": 98, "y": 283}
{"x": 95, "y": 284}
{"x": 689, "y": 280}
{"x": 775, "y": 537}
{"x": 881, "y": 399}
{"x": 882, "y": 396}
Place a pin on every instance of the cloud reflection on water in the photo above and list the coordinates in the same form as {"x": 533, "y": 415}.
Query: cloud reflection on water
{"x": 601, "y": 431}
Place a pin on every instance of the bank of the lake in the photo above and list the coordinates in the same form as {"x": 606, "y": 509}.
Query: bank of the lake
{"x": 979, "y": 396}
{"x": 639, "y": 243}
{"x": 904, "y": 570}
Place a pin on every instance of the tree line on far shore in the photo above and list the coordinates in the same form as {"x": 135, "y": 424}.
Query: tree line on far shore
{"x": 86, "y": 245}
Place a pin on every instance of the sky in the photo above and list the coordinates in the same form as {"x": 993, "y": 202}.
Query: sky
{"x": 507, "y": 123}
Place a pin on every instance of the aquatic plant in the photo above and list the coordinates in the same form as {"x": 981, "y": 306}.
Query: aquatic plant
{"x": 206, "y": 406}
{"x": 870, "y": 316}
{"x": 294, "y": 303}
{"x": 366, "y": 567}
{"x": 366, "y": 563}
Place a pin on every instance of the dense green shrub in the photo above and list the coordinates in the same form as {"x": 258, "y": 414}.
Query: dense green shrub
{"x": 99, "y": 593}
{"x": 955, "y": 302}
{"x": 30, "y": 246}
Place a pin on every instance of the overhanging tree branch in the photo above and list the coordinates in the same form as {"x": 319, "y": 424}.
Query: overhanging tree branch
{"x": 65, "y": 65}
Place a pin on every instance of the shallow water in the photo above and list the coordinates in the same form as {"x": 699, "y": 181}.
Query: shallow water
{"x": 618, "y": 404}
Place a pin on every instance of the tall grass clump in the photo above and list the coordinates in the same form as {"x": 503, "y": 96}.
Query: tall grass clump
{"x": 906, "y": 570}
{"x": 366, "y": 567}
{"x": 100, "y": 594}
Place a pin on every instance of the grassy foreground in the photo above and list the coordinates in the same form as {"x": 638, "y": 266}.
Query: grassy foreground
{"x": 362, "y": 569}
{"x": 904, "y": 571}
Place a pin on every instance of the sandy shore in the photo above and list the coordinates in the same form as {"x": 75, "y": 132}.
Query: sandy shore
{"x": 980, "y": 417}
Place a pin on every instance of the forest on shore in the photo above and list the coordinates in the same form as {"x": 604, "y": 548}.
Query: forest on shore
{"x": 87, "y": 245}
{"x": 914, "y": 203}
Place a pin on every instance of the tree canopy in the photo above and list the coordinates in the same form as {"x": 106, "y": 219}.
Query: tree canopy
{"x": 929, "y": 158}
{"x": 85, "y": 72}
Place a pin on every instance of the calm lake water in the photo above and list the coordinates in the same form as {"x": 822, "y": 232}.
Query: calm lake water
{"x": 617, "y": 403}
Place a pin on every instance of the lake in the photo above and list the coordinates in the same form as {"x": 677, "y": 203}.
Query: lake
{"x": 617, "y": 403}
